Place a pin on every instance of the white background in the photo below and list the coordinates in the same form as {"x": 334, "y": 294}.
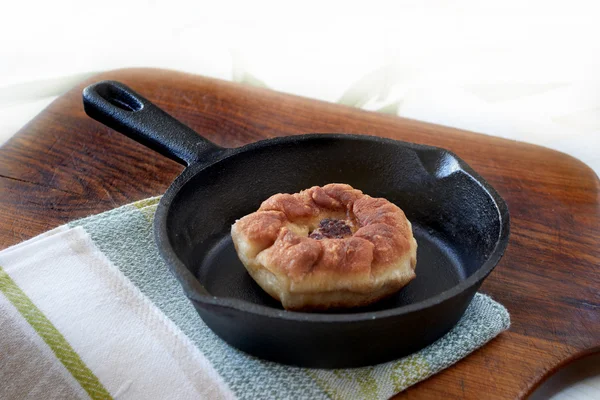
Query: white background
{"x": 525, "y": 70}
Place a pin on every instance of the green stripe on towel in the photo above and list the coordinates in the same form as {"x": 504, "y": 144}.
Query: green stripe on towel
{"x": 53, "y": 338}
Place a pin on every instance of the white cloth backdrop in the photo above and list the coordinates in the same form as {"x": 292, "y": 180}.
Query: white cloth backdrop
{"x": 527, "y": 71}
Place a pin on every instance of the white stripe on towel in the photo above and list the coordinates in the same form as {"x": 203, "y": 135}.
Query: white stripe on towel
{"x": 129, "y": 344}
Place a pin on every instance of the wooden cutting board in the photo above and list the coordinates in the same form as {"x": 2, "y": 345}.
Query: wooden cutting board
{"x": 63, "y": 165}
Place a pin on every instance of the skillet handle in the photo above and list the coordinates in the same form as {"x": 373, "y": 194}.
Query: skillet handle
{"x": 120, "y": 108}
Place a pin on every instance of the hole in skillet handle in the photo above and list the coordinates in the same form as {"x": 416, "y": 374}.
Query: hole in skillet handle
{"x": 119, "y": 98}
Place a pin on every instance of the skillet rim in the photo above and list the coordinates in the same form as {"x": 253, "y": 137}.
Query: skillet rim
{"x": 193, "y": 289}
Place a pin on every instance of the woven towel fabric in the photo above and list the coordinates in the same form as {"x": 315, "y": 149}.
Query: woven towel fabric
{"x": 94, "y": 303}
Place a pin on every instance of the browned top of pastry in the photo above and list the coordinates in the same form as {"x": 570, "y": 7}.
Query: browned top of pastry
{"x": 360, "y": 233}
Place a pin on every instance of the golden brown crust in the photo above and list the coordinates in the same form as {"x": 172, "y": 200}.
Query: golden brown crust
{"x": 291, "y": 255}
{"x": 376, "y": 260}
{"x": 262, "y": 228}
{"x": 323, "y": 200}
{"x": 292, "y": 205}
{"x": 388, "y": 243}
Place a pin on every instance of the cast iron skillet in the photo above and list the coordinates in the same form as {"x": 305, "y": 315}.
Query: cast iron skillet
{"x": 461, "y": 225}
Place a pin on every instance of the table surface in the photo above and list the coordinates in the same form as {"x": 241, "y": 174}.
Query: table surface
{"x": 63, "y": 166}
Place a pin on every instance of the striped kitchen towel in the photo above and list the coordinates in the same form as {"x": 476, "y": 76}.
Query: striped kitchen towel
{"x": 89, "y": 310}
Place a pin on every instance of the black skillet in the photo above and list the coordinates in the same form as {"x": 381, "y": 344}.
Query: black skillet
{"x": 460, "y": 222}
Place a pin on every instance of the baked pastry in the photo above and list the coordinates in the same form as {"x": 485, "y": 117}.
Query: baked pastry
{"x": 327, "y": 247}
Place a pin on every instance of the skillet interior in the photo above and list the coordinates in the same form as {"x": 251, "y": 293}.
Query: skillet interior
{"x": 456, "y": 222}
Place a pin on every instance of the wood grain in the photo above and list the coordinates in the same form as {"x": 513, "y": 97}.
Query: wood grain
{"x": 63, "y": 165}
